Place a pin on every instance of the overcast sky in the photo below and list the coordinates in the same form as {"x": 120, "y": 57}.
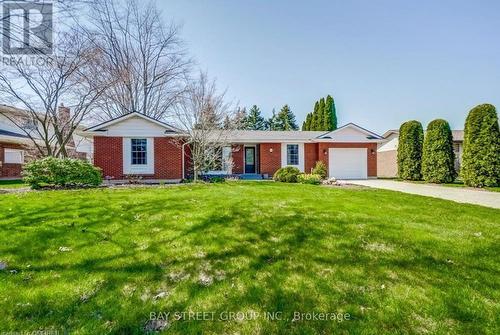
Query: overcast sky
{"x": 384, "y": 62}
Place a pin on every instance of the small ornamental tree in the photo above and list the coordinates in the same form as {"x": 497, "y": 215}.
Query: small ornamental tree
{"x": 438, "y": 158}
{"x": 320, "y": 169}
{"x": 481, "y": 156}
{"x": 411, "y": 136}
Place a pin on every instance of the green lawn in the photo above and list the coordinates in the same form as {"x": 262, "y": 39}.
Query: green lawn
{"x": 457, "y": 183}
{"x": 461, "y": 184}
{"x": 100, "y": 261}
{"x": 12, "y": 184}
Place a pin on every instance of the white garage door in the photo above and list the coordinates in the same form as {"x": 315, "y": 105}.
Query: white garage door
{"x": 348, "y": 163}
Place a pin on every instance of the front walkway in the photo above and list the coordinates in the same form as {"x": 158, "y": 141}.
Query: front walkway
{"x": 458, "y": 194}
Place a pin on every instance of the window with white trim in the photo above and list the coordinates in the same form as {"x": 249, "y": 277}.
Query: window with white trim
{"x": 139, "y": 151}
{"x": 14, "y": 156}
{"x": 292, "y": 154}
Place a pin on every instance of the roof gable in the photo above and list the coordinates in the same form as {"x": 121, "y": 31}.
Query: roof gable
{"x": 350, "y": 133}
{"x": 107, "y": 124}
{"x": 133, "y": 124}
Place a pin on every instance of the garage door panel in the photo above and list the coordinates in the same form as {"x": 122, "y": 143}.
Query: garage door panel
{"x": 348, "y": 163}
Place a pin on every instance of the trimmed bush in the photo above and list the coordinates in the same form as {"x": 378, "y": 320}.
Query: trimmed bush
{"x": 481, "y": 156}
{"x": 411, "y": 137}
{"x": 314, "y": 179}
{"x": 287, "y": 174}
{"x": 438, "y": 158}
{"x": 56, "y": 172}
{"x": 320, "y": 169}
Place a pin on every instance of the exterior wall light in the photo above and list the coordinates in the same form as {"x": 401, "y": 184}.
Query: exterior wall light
{"x": 270, "y": 149}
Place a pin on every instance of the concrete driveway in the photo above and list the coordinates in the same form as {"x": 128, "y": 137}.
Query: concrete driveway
{"x": 458, "y": 194}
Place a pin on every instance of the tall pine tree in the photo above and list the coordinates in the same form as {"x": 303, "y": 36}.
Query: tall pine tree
{"x": 272, "y": 122}
{"x": 286, "y": 119}
{"x": 240, "y": 119}
{"x": 254, "y": 120}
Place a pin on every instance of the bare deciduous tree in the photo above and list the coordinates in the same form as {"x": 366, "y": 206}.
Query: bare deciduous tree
{"x": 143, "y": 56}
{"x": 200, "y": 116}
{"x": 41, "y": 86}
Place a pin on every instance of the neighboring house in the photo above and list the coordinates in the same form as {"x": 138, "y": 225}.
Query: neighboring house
{"x": 387, "y": 152}
{"x": 16, "y": 147}
{"x": 135, "y": 144}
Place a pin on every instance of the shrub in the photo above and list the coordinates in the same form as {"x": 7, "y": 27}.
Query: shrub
{"x": 438, "y": 158}
{"x": 481, "y": 156}
{"x": 216, "y": 179}
{"x": 312, "y": 178}
{"x": 320, "y": 169}
{"x": 287, "y": 174}
{"x": 56, "y": 172}
{"x": 411, "y": 137}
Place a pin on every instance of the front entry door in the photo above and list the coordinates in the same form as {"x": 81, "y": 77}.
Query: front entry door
{"x": 249, "y": 160}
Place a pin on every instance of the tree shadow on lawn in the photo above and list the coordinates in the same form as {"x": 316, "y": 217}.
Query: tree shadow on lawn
{"x": 289, "y": 263}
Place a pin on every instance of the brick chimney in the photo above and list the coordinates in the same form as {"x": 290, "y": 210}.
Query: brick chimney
{"x": 63, "y": 117}
{"x": 63, "y": 114}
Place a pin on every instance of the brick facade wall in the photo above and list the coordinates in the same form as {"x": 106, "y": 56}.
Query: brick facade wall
{"x": 371, "y": 154}
{"x": 168, "y": 158}
{"x": 108, "y": 155}
{"x": 8, "y": 169}
{"x": 270, "y": 162}
{"x": 238, "y": 159}
{"x": 311, "y": 156}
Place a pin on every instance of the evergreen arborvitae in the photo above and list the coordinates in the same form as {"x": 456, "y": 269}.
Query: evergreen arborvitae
{"x": 254, "y": 120}
{"x": 481, "y": 156}
{"x": 438, "y": 158}
{"x": 308, "y": 121}
{"x": 314, "y": 118}
{"x": 411, "y": 136}
{"x": 332, "y": 113}
{"x": 321, "y": 114}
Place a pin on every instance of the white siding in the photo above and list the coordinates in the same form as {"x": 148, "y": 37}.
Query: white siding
{"x": 135, "y": 127}
{"x": 348, "y": 134}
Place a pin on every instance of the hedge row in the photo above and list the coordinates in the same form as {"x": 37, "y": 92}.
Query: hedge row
{"x": 432, "y": 158}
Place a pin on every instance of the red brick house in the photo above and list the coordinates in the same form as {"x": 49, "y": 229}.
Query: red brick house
{"x": 135, "y": 144}
{"x": 12, "y": 145}
{"x": 16, "y": 148}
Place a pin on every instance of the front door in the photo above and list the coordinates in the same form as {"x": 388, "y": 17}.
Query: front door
{"x": 249, "y": 159}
